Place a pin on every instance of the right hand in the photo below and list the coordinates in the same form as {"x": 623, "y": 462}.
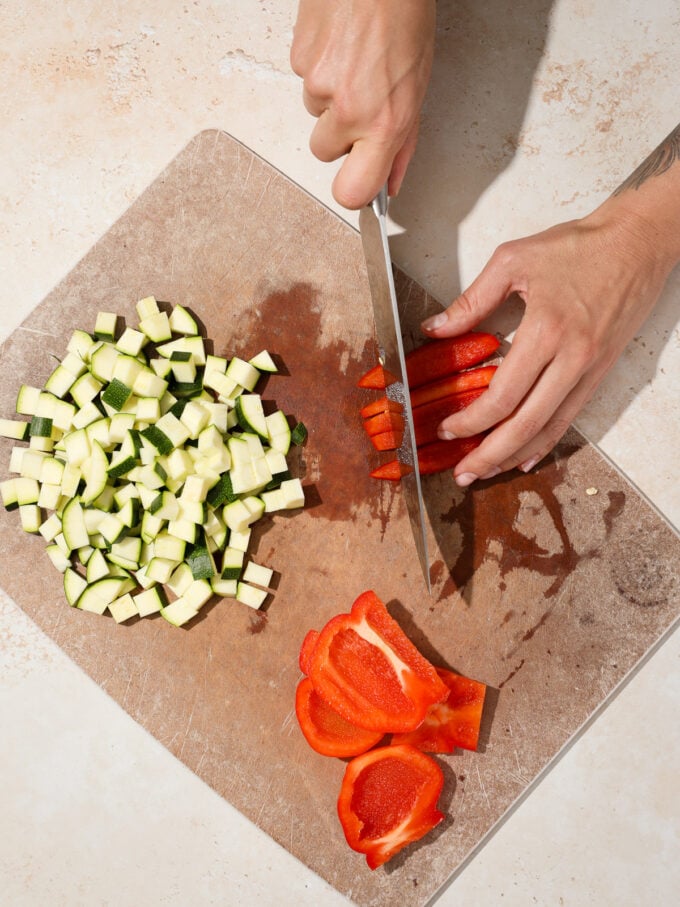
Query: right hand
{"x": 366, "y": 67}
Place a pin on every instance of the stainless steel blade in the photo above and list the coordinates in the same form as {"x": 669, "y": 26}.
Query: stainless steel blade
{"x": 373, "y": 226}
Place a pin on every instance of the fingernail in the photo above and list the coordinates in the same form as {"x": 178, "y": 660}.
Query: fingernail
{"x": 528, "y": 465}
{"x": 491, "y": 473}
{"x": 466, "y": 478}
{"x": 445, "y": 435}
{"x": 436, "y": 321}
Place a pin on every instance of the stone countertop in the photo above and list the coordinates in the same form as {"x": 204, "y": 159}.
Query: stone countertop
{"x": 532, "y": 118}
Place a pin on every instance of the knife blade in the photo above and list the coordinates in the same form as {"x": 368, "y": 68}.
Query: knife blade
{"x": 373, "y": 228}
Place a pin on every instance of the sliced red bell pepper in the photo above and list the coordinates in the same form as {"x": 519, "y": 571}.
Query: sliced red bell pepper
{"x": 378, "y": 377}
{"x": 387, "y": 440}
{"x": 454, "y": 722}
{"x": 441, "y": 455}
{"x": 367, "y": 669}
{"x": 427, "y": 418}
{"x": 453, "y": 384}
{"x": 381, "y": 405}
{"x": 385, "y": 421}
{"x": 325, "y": 730}
{"x": 388, "y": 799}
{"x": 306, "y": 650}
{"x": 439, "y": 358}
{"x": 393, "y": 471}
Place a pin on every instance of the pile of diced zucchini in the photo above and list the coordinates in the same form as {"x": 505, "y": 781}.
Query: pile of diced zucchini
{"x": 147, "y": 462}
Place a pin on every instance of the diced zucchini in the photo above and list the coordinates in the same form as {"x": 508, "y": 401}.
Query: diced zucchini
{"x": 150, "y": 601}
{"x": 105, "y": 326}
{"x": 250, "y": 595}
{"x": 123, "y": 608}
{"x": 263, "y": 362}
{"x": 257, "y": 574}
{"x": 182, "y": 321}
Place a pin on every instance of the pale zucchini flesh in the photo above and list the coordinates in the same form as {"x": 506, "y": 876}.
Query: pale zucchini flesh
{"x": 148, "y": 461}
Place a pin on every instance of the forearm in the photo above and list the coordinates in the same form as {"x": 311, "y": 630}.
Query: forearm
{"x": 647, "y": 203}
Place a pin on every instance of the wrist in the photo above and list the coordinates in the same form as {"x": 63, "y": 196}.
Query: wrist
{"x": 644, "y": 222}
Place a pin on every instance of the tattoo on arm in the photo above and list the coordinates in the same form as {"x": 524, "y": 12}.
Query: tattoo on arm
{"x": 658, "y": 162}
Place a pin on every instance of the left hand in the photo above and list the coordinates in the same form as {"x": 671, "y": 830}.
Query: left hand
{"x": 587, "y": 286}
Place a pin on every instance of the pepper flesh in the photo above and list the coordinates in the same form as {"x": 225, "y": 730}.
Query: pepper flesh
{"x": 453, "y": 723}
{"x": 439, "y": 358}
{"x": 306, "y": 650}
{"x": 381, "y": 405}
{"x": 367, "y": 669}
{"x": 388, "y": 799}
{"x": 453, "y": 384}
{"x": 426, "y": 418}
{"x": 441, "y": 455}
{"x": 325, "y": 730}
{"x": 393, "y": 471}
{"x": 378, "y": 377}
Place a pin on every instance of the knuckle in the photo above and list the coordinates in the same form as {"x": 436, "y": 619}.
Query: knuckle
{"x": 465, "y": 304}
{"x": 505, "y": 255}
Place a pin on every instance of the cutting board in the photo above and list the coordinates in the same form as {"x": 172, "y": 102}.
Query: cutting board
{"x": 548, "y": 593}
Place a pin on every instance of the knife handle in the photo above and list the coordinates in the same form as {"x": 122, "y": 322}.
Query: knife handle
{"x": 380, "y": 202}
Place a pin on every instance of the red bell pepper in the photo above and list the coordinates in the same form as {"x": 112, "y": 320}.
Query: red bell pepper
{"x": 454, "y": 722}
{"x": 306, "y": 650}
{"x": 393, "y": 471}
{"x": 367, "y": 669}
{"x": 381, "y": 405}
{"x": 441, "y": 455}
{"x": 325, "y": 730}
{"x": 387, "y": 440}
{"x": 378, "y": 377}
{"x": 453, "y": 384}
{"x": 426, "y": 418}
{"x": 388, "y": 799}
{"x": 385, "y": 421}
{"x": 439, "y": 358}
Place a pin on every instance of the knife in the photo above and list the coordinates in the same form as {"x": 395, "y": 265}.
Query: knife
{"x": 373, "y": 227}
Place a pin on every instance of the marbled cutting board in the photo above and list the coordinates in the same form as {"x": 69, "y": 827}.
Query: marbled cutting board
{"x": 547, "y": 593}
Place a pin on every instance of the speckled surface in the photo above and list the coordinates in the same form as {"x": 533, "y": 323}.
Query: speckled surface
{"x": 98, "y": 103}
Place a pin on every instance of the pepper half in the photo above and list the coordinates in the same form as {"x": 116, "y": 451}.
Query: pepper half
{"x": 324, "y": 730}
{"x": 388, "y": 799}
{"x": 454, "y": 722}
{"x": 368, "y": 671}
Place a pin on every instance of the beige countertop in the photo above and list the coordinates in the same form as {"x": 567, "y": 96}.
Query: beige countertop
{"x": 536, "y": 112}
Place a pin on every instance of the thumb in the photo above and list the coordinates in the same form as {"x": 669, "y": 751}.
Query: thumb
{"x": 491, "y": 288}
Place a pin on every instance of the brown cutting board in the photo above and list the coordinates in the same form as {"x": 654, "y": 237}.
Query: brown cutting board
{"x": 547, "y": 593}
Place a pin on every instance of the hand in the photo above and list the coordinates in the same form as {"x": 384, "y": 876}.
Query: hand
{"x": 587, "y": 286}
{"x": 365, "y": 66}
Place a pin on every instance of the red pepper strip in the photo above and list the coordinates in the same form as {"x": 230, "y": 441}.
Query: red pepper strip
{"x": 393, "y": 471}
{"x": 426, "y": 418}
{"x": 306, "y": 650}
{"x": 381, "y": 405}
{"x": 388, "y": 799}
{"x": 387, "y": 440}
{"x": 327, "y": 732}
{"x": 441, "y": 455}
{"x": 454, "y": 384}
{"x": 454, "y": 722}
{"x": 367, "y": 669}
{"x": 377, "y": 377}
{"x": 386, "y": 421}
{"x": 439, "y": 358}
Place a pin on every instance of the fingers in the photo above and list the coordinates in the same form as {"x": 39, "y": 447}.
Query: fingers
{"x": 522, "y": 440}
{"x": 362, "y": 175}
{"x": 495, "y": 283}
{"x": 532, "y": 352}
{"x": 403, "y": 159}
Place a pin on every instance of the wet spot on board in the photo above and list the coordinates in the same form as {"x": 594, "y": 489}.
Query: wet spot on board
{"x": 320, "y": 390}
